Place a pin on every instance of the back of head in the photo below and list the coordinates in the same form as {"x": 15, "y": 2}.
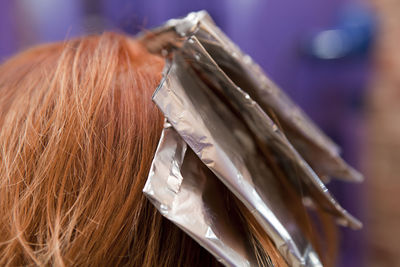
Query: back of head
{"x": 78, "y": 132}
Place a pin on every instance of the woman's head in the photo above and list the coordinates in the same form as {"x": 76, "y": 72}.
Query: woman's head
{"x": 78, "y": 131}
{"x": 77, "y": 134}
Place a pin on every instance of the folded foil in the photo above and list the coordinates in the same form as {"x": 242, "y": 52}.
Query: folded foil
{"x": 220, "y": 104}
{"x": 268, "y": 137}
{"x": 187, "y": 193}
{"x": 316, "y": 148}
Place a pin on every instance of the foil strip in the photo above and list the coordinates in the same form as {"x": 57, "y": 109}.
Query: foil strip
{"x": 187, "y": 193}
{"x": 220, "y": 103}
{"x": 315, "y": 147}
{"x": 225, "y": 145}
{"x": 266, "y": 133}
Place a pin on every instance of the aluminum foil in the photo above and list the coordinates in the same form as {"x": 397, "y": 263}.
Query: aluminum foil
{"x": 221, "y": 104}
{"x": 224, "y": 144}
{"x": 266, "y": 133}
{"x": 186, "y": 192}
{"x": 316, "y": 148}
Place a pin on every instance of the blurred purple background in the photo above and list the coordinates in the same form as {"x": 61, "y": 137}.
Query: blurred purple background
{"x": 317, "y": 51}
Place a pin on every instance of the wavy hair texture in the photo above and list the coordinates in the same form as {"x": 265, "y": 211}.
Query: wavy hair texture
{"x": 78, "y": 131}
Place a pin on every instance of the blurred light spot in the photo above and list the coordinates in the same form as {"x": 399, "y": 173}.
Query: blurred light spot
{"x": 329, "y": 44}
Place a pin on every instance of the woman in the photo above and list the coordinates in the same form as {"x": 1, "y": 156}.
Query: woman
{"x": 78, "y": 131}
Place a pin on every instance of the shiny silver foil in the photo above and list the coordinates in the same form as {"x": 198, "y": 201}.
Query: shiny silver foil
{"x": 226, "y": 146}
{"x": 266, "y": 133}
{"x": 186, "y": 192}
{"x": 231, "y": 116}
{"x": 316, "y": 148}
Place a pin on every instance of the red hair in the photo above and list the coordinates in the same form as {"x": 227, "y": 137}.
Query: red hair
{"x": 78, "y": 131}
